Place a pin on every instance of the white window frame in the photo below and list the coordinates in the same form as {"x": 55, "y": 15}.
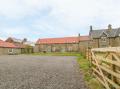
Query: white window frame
{"x": 10, "y": 50}
{"x": 104, "y": 39}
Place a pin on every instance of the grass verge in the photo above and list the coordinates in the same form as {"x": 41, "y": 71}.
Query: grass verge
{"x": 90, "y": 80}
{"x": 84, "y": 66}
{"x": 56, "y": 54}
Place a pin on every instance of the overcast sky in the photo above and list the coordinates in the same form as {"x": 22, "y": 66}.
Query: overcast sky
{"x": 35, "y": 19}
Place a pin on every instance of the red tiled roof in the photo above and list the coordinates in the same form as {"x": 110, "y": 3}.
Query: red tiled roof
{"x": 20, "y": 46}
{"x": 6, "y": 44}
{"x": 84, "y": 38}
{"x": 62, "y": 40}
{"x": 10, "y": 45}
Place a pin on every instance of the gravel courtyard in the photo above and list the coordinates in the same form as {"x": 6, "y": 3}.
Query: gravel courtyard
{"x": 40, "y": 72}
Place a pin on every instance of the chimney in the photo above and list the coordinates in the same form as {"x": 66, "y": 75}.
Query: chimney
{"x": 91, "y": 28}
{"x": 79, "y": 37}
{"x": 109, "y": 27}
{"x": 24, "y": 40}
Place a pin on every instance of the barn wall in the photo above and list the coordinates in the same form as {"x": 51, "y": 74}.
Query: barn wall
{"x": 36, "y": 48}
{"x": 67, "y": 47}
{"x": 83, "y": 45}
{"x": 71, "y": 47}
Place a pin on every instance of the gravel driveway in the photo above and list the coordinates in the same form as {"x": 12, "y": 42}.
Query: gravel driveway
{"x": 40, "y": 72}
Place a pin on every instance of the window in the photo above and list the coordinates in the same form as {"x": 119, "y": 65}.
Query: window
{"x": 10, "y": 50}
{"x": 103, "y": 39}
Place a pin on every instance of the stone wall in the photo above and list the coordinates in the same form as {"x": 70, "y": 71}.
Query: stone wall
{"x": 110, "y": 42}
{"x": 5, "y": 51}
{"x": 105, "y": 43}
{"x": 73, "y": 47}
{"x": 67, "y": 47}
{"x": 94, "y": 43}
{"x": 36, "y": 48}
{"x": 117, "y": 42}
{"x": 83, "y": 46}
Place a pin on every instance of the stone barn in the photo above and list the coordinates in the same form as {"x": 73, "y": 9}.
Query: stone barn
{"x": 64, "y": 44}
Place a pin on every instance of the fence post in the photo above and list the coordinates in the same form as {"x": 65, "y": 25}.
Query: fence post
{"x": 114, "y": 70}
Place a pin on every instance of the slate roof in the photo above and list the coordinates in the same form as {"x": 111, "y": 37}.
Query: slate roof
{"x": 62, "y": 40}
{"x": 111, "y": 33}
{"x": 16, "y": 40}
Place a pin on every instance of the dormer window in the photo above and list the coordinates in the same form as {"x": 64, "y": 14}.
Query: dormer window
{"x": 103, "y": 39}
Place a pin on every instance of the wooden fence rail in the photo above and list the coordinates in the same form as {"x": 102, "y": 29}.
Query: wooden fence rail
{"x": 106, "y": 66}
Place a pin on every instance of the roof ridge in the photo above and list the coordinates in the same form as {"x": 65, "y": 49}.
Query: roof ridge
{"x": 64, "y": 37}
{"x": 59, "y": 37}
{"x": 62, "y": 40}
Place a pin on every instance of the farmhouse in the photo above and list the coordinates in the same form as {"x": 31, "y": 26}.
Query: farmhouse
{"x": 109, "y": 37}
{"x": 26, "y": 46}
{"x": 9, "y": 48}
{"x": 64, "y": 44}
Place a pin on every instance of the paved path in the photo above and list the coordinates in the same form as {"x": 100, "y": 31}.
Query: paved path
{"x": 40, "y": 72}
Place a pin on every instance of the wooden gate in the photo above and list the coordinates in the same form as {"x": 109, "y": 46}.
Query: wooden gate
{"x": 106, "y": 66}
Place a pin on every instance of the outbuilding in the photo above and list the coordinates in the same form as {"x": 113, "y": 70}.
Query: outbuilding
{"x": 63, "y": 44}
{"x": 9, "y": 48}
{"x": 26, "y": 46}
